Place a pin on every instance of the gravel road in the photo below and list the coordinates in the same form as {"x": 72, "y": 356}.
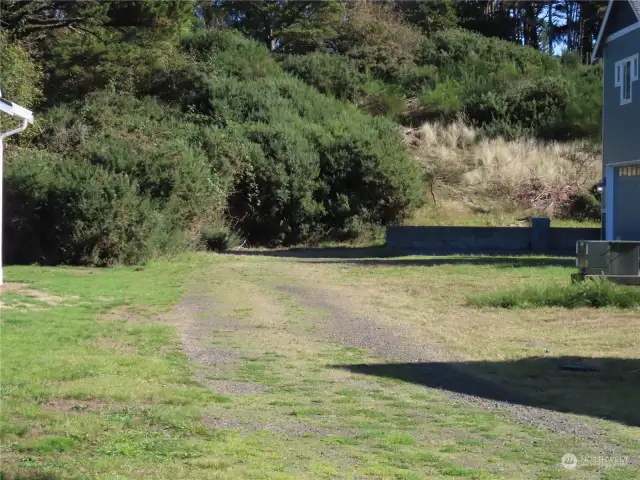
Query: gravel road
{"x": 196, "y": 319}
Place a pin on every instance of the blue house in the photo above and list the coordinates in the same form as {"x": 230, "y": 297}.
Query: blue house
{"x": 618, "y": 45}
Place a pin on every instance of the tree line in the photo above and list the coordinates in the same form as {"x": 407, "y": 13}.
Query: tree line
{"x": 551, "y": 26}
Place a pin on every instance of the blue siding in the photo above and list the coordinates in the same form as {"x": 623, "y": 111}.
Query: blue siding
{"x": 621, "y": 16}
{"x": 626, "y": 200}
{"x": 620, "y": 123}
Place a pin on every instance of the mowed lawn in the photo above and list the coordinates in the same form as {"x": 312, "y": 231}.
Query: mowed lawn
{"x": 256, "y": 374}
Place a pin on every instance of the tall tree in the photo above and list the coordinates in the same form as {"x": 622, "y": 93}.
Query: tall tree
{"x": 379, "y": 38}
{"x": 428, "y": 15}
{"x": 29, "y": 18}
{"x": 285, "y": 25}
{"x": 26, "y": 18}
{"x": 579, "y": 24}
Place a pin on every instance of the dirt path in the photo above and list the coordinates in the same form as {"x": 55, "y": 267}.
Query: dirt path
{"x": 397, "y": 344}
{"x": 337, "y": 319}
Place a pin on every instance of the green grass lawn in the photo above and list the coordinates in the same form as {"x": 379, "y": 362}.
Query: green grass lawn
{"x": 76, "y": 386}
{"x": 95, "y": 385}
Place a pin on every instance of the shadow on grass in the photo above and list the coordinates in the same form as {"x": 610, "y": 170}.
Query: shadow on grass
{"x": 498, "y": 262}
{"x": 611, "y": 392}
{"x": 328, "y": 252}
{"x": 387, "y": 257}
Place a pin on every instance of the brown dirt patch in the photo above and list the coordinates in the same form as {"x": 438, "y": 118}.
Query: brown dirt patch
{"x": 21, "y": 306}
{"x": 12, "y": 286}
{"x": 124, "y": 313}
{"x": 9, "y": 458}
{"x": 67, "y": 405}
{"x": 22, "y": 289}
{"x": 80, "y": 271}
{"x": 272, "y": 423}
{"x": 231, "y": 387}
{"x": 113, "y": 345}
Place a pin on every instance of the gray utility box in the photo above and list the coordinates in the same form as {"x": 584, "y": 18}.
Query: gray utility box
{"x": 617, "y": 260}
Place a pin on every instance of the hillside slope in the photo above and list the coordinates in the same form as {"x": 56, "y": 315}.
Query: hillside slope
{"x": 153, "y": 140}
{"x": 203, "y": 133}
{"x": 479, "y": 180}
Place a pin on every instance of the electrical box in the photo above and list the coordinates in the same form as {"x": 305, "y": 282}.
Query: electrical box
{"x": 592, "y": 257}
{"x": 624, "y": 258}
{"x": 616, "y": 260}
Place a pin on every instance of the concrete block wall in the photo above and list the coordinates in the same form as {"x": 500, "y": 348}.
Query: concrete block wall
{"x": 540, "y": 238}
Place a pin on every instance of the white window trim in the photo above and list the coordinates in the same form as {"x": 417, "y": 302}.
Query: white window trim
{"x": 634, "y": 62}
{"x": 624, "y": 164}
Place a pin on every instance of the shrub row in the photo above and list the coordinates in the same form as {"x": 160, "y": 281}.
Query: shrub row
{"x": 222, "y": 133}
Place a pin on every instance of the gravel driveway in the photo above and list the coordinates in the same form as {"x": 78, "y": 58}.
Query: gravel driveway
{"x": 195, "y": 320}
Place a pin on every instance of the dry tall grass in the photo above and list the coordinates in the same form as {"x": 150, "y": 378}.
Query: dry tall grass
{"x": 536, "y": 176}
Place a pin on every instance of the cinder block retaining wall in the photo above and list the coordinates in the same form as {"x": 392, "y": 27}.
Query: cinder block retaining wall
{"x": 540, "y": 238}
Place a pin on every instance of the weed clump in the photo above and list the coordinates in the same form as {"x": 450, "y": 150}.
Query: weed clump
{"x": 593, "y": 293}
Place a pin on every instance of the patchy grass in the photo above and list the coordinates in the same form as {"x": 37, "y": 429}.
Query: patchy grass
{"x": 74, "y": 387}
{"x": 96, "y": 394}
{"x": 595, "y": 293}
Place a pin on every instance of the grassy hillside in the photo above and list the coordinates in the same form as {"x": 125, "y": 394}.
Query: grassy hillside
{"x": 150, "y": 142}
{"x": 472, "y": 179}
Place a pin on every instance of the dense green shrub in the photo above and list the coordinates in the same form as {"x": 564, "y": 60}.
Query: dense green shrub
{"x": 60, "y": 210}
{"x": 222, "y": 131}
{"x": 583, "y": 206}
{"x": 539, "y": 103}
{"x": 366, "y": 174}
{"x": 445, "y": 100}
{"x": 452, "y": 49}
{"x": 22, "y": 81}
{"x": 220, "y": 238}
{"x": 378, "y": 39}
{"x": 118, "y": 62}
{"x": 273, "y": 198}
{"x": 383, "y": 99}
{"x": 415, "y": 80}
{"x": 303, "y": 181}
{"x": 148, "y": 143}
{"x": 226, "y": 52}
{"x": 330, "y": 74}
{"x": 142, "y": 155}
{"x": 187, "y": 87}
{"x": 22, "y": 77}
{"x": 509, "y": 90}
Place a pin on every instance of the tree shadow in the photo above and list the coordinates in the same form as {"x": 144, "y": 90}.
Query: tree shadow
{"x": 498, "y": 262}
{"x": 326, "y": 252}
{"x": 388, "y": 257}
{"x": 607, "y": 388}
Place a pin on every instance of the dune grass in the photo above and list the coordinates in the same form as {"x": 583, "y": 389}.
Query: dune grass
{"x": 502, "y": 179}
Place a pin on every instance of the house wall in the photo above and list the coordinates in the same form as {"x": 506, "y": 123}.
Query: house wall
{"x": 621, "y": 143}
{"x": 620, "y": 123}
{"x": 621, "y": 16}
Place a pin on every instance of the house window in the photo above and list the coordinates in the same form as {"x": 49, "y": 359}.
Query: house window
{"x": 629, "y": 171}
{"x": 627, "y": 72}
